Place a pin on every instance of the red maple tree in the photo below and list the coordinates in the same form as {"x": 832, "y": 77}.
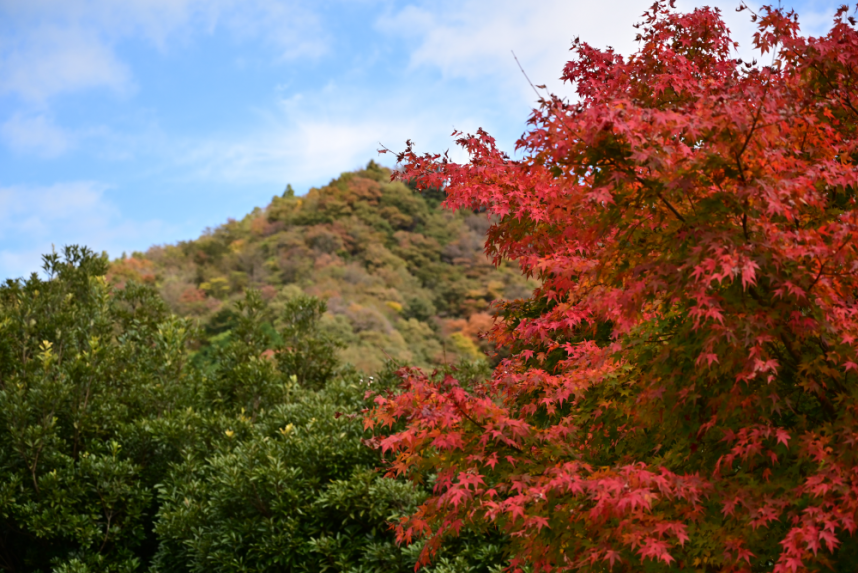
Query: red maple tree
{"x": 682, "y": 387}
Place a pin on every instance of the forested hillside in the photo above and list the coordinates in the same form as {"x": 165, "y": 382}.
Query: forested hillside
{"x": 403, "y": 279}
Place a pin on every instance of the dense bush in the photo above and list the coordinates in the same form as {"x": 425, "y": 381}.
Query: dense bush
{"x": 80, "y": 367}
{"x": 123, "y": 450}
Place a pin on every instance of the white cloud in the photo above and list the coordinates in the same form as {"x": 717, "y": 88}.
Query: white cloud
{"x": 33, "y": 218}
{"x": 316, "y": 135}
{"x": 36, "y": 134}
{"x": 296, "y": 152}
{"x": 292, "y": 28}
{"x": 37, "y": 210}
{"x": 65, "y": 46}
{"x": 53, "y": 60}
{"x": 155, "y": 20}
{"x": 474, "y": 39}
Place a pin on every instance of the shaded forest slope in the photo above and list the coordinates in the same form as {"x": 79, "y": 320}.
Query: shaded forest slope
{"x": 402, "y": 277}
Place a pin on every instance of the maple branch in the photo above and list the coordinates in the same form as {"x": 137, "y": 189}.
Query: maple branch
{"x": 744, "y": 6}
{"x": 626, "y": 238}
{"x": 776, "y": 351}
{"x": 671, "y": 207}
{"x": 824, "y": 400}
{"x": 753, "y": 125}
{"x": 818, "y": 276}
{"x": 832, "y": 87}
{"x": 796, "y": 359}
{"x": 822, "y": 268}
{"x": 826, "y": 404}
{"x": 658, "y": 194}
{"x": 849, "y": 105}
{"x": 480, "y": 426}
{"x": 750, "y": 135}
{"x": 826, "y": 348}
{"x": 525, "y": 75}
{"x": 849, "y": 99}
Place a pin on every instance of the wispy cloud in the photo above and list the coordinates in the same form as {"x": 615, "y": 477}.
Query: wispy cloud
{"x": 36, "y": 134}
{"x": 294, "y": 144}
{"x": 293, "y": 29}
{"x": 155, "y": 20}
{"x": 65, "y": 213}
{"x": 53, "y": 60}
{"x": 316, "y": 134}
{"x": 71, "y": 46}
{"x": 475, "y": 39}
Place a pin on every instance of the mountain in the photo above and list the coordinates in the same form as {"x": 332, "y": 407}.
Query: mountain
{"x": 403, "y": 278}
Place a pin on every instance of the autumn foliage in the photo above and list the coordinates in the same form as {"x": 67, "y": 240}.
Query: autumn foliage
{"x": 682, "y": 389}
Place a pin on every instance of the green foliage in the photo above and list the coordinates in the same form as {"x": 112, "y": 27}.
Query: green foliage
{"x": 123, "y": 450}
{"x": 78, "y": 368}
{"x": 307, "y": 354}
{"x": 292, "y": 490}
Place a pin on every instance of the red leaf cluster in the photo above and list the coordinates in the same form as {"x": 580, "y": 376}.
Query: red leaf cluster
{"x": 682, "y": 387}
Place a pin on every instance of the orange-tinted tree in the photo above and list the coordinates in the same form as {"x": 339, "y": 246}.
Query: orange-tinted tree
{"x": 682, "y": 389}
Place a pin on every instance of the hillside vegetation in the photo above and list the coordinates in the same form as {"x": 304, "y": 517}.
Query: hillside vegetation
{"x": 403, "y": 279}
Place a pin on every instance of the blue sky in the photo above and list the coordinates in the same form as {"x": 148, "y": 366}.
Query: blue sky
{"x": 140, "y": 122}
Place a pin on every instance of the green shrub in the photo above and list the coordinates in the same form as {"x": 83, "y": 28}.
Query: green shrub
{"x": 123, "y": 451}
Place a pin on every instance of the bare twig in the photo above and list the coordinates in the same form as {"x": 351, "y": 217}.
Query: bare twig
{"x": 525, "y": 75}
